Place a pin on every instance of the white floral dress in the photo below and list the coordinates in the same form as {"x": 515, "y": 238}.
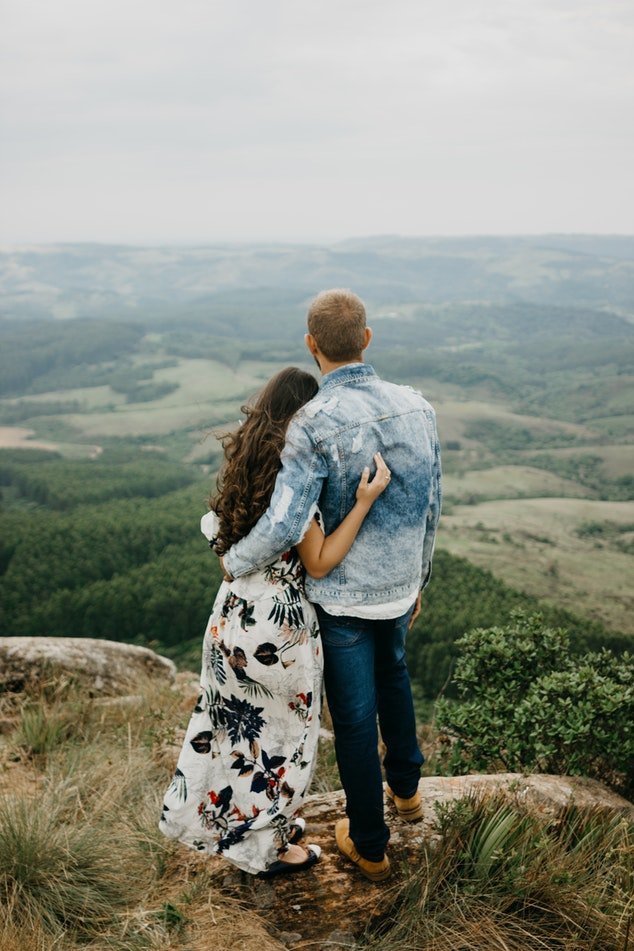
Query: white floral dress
{"x": 250, "y": 747}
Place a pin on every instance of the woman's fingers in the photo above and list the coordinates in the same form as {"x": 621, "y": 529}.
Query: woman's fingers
{"x": 372, "y": 488}
{"x": 383, "y": 474}
{"x": 381, "y": 477}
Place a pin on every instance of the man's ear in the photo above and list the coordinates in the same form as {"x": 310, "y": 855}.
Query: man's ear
{"x": 311, "y": 343}
{"x": 368, "y": 338}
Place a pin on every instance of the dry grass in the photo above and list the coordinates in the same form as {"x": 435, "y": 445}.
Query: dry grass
{"x": 495, "y": 878}
{"x": 82, "y": 861}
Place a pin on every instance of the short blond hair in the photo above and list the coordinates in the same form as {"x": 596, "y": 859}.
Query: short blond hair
{"x": 336, "y": 319}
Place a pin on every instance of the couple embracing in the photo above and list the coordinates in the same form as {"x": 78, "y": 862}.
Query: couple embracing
{"x": 325, "y": 520}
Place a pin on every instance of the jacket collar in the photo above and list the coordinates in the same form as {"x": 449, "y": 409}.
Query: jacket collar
{"x": 349, "y": 373}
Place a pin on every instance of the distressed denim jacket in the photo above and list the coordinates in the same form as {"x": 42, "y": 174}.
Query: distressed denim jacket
{"x": 329, "y": 441}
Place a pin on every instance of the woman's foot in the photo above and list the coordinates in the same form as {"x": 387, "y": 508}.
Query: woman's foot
{"x": 294, "y": 855}
{"x": 295, "y": 859}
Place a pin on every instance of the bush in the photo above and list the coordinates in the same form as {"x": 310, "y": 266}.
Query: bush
{"x": 527, "y": 704}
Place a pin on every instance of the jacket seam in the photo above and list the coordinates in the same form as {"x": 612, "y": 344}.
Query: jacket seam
{"x": 369, "y": 419}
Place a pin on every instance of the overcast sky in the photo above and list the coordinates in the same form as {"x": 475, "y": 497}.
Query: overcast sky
{"x": 195, "y": 120}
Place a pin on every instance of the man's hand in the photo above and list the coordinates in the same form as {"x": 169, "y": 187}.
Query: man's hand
{"x": 416, "y": 611}
{"x": 225, "y": 574}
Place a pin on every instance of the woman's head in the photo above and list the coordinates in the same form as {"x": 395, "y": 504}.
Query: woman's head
{"x": 282, "y": 396}
{"x": 252, "y": 454}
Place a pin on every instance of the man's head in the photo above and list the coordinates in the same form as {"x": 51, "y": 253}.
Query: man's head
{"x": 337, "y": 331}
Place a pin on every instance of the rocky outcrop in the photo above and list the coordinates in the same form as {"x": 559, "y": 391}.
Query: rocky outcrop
{"x": 103, "y": 668}
{"x": 330, "y": 906}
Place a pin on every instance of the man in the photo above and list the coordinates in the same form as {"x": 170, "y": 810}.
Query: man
{"x": 368, "y": 602}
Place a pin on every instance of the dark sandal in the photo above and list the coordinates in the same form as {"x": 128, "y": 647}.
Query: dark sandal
{"x": 287, "y": 868}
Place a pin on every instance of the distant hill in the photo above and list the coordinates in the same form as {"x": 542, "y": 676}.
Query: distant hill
{"x": 74, "y": 280}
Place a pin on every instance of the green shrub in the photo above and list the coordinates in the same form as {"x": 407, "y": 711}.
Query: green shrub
{"x": 527, "y": 704}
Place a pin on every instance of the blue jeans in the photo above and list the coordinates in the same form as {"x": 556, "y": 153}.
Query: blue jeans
{"x": 366, "y": 673}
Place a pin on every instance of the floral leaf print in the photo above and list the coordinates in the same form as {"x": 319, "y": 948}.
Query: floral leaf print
{"x": 272, "y": 762}
{"x": 282, "y": 829}
{"x": 247, "y": 609}
{"x": 266, "y": 654}
{"x": 215, "y": 705}
{"x": 287, "y": 608}
{"x": 301, "y": 704}
{"x": 254, "y": 747}
{"x": 238, "y": 660}
{"x": 178, "y": 785}
{"x": 213, "y": 815}
{"x": 231, "y": 601}
{"x": 201, "y": 743}
{"x": 287, "y": 791}
{"x": 238, "y": 663}
{"x": 254, "y": 689}
{"x": 259, "y": 782}
{"x": 215, "y": 663}
{"x": 295, "y": 637}
{"x": 297, "y": 757}
{"x": 239, "y": 763}
{"x": 242, "y": 719}
{"x": 286, "y": 571}
{"x": 211, "y": 701}
{"x": 223, "y": 799}
{"x": 233, "y": 837}
{"x": 246, "y": 615}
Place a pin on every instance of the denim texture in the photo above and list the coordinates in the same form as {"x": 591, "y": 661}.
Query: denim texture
{"x": 365, "y": 673}
{"x": 328, "y": 443}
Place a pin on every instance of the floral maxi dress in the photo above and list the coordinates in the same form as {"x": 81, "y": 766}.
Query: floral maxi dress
{"x": 250, "y": 747}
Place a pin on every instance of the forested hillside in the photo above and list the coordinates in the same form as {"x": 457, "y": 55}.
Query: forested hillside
{"x": 137, "y": 569}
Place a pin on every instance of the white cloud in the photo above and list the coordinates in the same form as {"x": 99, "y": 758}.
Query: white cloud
{"x": 194, "y": 120}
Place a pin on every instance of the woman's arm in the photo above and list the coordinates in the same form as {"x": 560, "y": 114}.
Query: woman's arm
{"x": 321, "y": 554}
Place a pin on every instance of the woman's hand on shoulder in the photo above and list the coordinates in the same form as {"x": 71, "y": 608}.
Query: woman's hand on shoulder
{"x": 370, "y": 489}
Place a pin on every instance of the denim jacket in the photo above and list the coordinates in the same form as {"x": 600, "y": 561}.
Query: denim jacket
{"x": 328, "y": 442}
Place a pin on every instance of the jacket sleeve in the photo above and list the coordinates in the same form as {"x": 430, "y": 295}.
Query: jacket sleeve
{"x": 433, "y": 512}
{"x": 293, "y": 503}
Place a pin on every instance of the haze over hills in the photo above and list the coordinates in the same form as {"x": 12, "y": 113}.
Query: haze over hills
{"x": 105, "y": 280}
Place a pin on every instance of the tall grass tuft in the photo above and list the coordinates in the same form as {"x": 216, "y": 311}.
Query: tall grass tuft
{"x": 57, "y": 876}
{"x": 42, "y": 728}
{"x": 496, "y": 877}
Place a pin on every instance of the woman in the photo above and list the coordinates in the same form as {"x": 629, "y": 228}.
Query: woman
{"x": 250, "y": 747}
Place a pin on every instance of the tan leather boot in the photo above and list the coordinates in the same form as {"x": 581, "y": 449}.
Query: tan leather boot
{"x": 408, "y": 809}
{"x": 374, "y": 871}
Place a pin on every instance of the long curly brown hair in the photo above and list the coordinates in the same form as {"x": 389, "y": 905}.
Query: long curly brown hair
{"x": 252, "y": 455}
